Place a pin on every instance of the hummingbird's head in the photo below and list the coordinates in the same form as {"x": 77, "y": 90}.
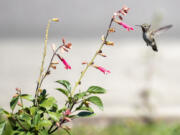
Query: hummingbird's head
{"x": 145, "y": 27}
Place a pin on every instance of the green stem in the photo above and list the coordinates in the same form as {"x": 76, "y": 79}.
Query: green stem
{"x": 48, "y": 69}
{"x": 21, "y": 100}
{"x": 43, "y": 60}
{"x": 92, "y": 60}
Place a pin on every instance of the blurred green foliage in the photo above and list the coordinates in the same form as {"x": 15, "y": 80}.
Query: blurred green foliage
{"x": 121, "y": 128}
{"x": 127, "y": 128}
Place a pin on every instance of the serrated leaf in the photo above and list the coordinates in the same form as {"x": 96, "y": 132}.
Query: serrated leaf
{"x": 2, "y": 127}
{"x": 65, "y": 83}
{"x": 96, "y": 90}
{"x": 13, "y": 102}
{"x": 27, "y": 97}
{"x": 48, "y": 103}
{"x": 54, "y": 116}
{"x": 65, "y": 92}
{"x": 85, "y": 114}
{"x": 96, "y": 100}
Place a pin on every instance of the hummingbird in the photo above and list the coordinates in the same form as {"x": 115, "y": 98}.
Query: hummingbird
{"x": 149, "y": 35}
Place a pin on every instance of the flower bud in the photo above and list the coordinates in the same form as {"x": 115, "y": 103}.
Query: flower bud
{"x": 63, "y": 40}
{"x": 67, "y": 119}
{"x": 53, "y": 46}
{"x": 83, "y": 63}
{"x": 55, "y": 19}
{"x": 111, "y": 30}
{"x": 68, "y": 45}
{"x": 40, "y": 90}
{"x": 86, "y": 103}
{"x": 58, "y": 124}
{"x": 109, "y": 43}
{"x": 101, "y": 54}
{"x": 20, "y": 104}
{"x": 15, "y": 95}
{"x": 102, "y": 38}
{"x": 55, "y": 62}
{"x": 67, "y": 112}
{"x": 18, "y": 89}
{"x": 53, "y": 66}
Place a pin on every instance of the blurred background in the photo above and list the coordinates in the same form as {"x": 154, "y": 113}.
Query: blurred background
{"x": 142, "y": 84}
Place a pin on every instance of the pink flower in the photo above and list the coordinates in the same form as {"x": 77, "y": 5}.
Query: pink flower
{"x": 67, "y": 66}
{"x": 120, "y": 15}
{"x": 126, "y": 26}
{"x": 67, "y": 112}
{"x": 105, "y": 71}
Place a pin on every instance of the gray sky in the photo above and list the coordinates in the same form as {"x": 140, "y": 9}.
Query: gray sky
{"x": 89, "y": 18}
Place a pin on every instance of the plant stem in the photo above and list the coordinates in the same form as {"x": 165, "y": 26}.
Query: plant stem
{"x": 48, "y": 69}
{"x": 21, "y": 100}
{"x": 92, "y": 60}
{"x": 43, "y": 60}
{"x": 20, "y": 124}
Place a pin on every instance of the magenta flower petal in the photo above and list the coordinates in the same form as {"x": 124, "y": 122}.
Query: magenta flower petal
{"x": 67, "y": 112}
{"x": 126, "y": 26}
{"x": 67, "y": 66}
{"x": 105, "y": 71}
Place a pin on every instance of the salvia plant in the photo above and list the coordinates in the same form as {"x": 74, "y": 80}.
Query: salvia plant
{"x": 44, "y": 116}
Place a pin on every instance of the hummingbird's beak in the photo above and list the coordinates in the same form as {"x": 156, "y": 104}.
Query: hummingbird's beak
{"x": 138, "y": 25}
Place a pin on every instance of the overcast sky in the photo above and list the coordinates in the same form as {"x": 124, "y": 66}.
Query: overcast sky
{"x": 89, "y": 18}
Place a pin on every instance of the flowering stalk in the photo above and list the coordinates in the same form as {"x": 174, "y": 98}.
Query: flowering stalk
{"x": 118, "y": 14}
{"x": 93, "y": 58}
{"x": 48, "y": 69}
{"x": 44, "y": 56}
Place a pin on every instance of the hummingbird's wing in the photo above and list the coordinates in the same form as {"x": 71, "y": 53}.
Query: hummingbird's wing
{"x": 161, "y": 30}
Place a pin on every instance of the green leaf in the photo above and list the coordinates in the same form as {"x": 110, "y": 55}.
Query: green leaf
{"x": 26, "y": 117}
{"x": 85, "y": 108}
{"x": 85, "y": 114}
{"x": 65, "y": 83}
{"x": 80, "y": 95}
{"x": 2, "y": 127}
{"x": 67, "y": 131}
{"x": 65, "y": 92}
{"x": 29, "y": 133}
{"x": 62, "y": 109}
{"x": 54, "y": 116}
{"x": 43, "y": 132}
{"x": 13, "y": 102}
{"x": 48, "y": 103}
{"x": 33, "y": 110}
{"x": 96, "y": 90}
{"x": 27, "y": 97}
{"x": 96, "y": 100}
{"x": 44, "y": 123}
{"x": 2, "y": 111}
{"x": 36, "y": 119}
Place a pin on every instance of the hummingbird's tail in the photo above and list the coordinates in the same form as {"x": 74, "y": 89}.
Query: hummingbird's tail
{"x": 154, "y": 47}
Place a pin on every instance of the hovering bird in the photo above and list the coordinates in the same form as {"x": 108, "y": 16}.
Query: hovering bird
{"x": 149, "y": 35}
